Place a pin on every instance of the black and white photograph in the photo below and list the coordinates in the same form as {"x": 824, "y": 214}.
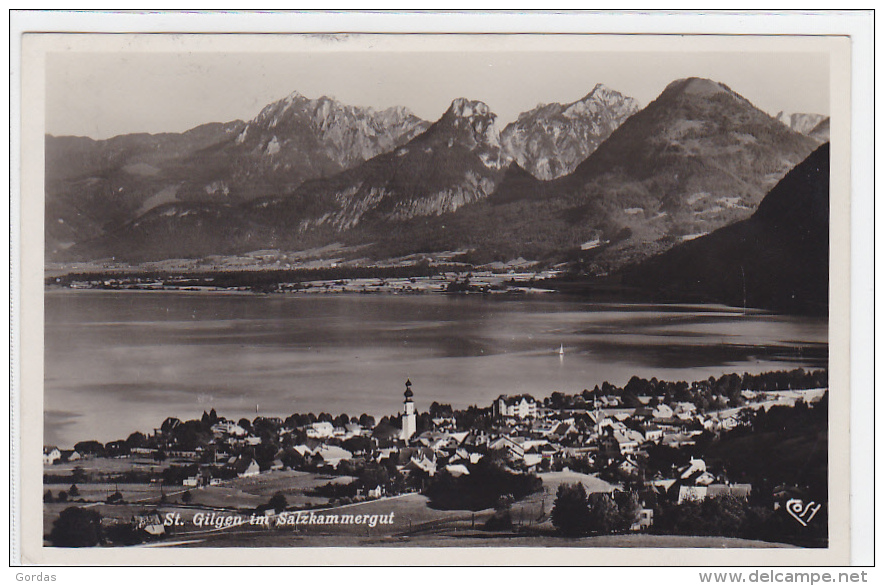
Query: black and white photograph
{"x": 486, "y": 292}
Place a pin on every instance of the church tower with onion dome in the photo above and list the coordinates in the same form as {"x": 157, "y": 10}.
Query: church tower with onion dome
{"x": 409, "y": 418}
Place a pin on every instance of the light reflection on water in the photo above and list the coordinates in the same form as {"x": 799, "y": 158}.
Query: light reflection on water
{"x": 117, "y": 362}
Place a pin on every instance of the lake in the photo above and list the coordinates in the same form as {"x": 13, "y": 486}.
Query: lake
{"x": 121, "y": 361}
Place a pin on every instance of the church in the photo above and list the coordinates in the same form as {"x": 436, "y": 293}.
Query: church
{"x": 409, "y": 418}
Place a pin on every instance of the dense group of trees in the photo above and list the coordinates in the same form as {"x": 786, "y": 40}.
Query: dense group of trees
{"x": 487, "y": 482}
{"x": 369, "y": 476}
{"x": 725, "y": 515}
{"x": 782, "y": 446}
{"x": 577, "y": 514}
{"x": 731, "y": 516}
{"x": 77, "y": 527}
{"x": 712, "y": 393}
{"x": 82, "y": 527}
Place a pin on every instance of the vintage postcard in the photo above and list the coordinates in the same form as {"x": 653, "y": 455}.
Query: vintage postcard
{"x": 291, "y": 295}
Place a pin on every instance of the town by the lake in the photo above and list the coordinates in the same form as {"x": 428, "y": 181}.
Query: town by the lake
{"x": 734, "y": 461}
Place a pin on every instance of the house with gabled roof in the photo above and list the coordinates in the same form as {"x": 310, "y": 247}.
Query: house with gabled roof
{"x": 514, "y": 449}
{"x": 662, "y": 411}
{"x": 51, "y": 454}
{"x": 333, "y": 454}
{"x": 518, "y": 406}
{"x": 246, "y": 469}
{"x": 320, "y": 429}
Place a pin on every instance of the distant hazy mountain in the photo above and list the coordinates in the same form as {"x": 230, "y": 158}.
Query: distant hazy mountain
{"x": 552, "y": 139}
{"x": 800, "y": 121}
{"x": 777, "y": 259}
{"x": 95, "y": 186}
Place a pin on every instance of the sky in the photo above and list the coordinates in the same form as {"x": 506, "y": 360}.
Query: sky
{"x": 104, "y": 94}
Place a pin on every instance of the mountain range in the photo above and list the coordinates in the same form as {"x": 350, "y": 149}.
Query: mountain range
{"x": 697, "y": 158}
{"x": 94, "y": 187}
{"x": 597, "y": 181}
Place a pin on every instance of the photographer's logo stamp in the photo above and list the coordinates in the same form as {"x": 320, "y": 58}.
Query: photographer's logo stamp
{"x": 801, "y": 512}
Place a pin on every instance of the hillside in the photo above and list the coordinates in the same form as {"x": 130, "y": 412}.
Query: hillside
{"x": 778, "y": 259}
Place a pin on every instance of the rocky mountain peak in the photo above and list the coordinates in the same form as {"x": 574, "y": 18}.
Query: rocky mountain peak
{"x": 603, "y": 93}
{"x": 472, "y": 124}
{"x": 802, "y": 122}
{"x": 294, "y": 96}
{"x": 552, "y": 139}
{"x": 602, "y": 100}
{"x": 465, "y": 108}
{"x": 323, "y": 134}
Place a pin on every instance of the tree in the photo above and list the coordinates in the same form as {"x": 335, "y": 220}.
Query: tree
{"x": 62, "y": 497}
{"x": 77, "y": 527}
{"x": 90, "y": 447}
{"x": 116, "y": 448}
{"x": 73, "y": 491}
{"x": 136, "y": 440}
{"x": 373, "y": 476}
{"x": 604, "y": 516}
{"x": 570, "y": 513}
{"x": 278, "y": 502}
{"x": 725, "y": 515}
{"x": 47, "y": 497}
{"x": 186, "y": 497}
{"x": 501, "y": 520}
{"x": 630, "y": 511}
{"x": 78, "y": 474}
{"x": 356, "y": 444}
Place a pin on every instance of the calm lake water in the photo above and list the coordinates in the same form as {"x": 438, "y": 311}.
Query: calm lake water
{"x": 116, "y": 362}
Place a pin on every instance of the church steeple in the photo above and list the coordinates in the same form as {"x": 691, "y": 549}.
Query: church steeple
{"x": 409, "y": 417}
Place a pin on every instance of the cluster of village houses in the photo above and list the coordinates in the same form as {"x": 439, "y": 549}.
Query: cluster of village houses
{"x": 487, "y": 281}
{"x": 527, "y": 434}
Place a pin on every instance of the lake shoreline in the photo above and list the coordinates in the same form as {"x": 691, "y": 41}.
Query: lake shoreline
{"x": 115, "y": 356}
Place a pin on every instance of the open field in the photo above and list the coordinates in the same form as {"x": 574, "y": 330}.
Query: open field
{"x": 256, "y": 490}
{"x": 99, "y": 492}
{"x": 112, "y": 465}
{"x": 552, "y": 480}
{"x": 414, "y": 521}
{"x": 289, "y": 482}
{"x": 413, "y": 516}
